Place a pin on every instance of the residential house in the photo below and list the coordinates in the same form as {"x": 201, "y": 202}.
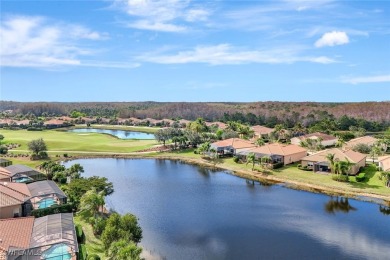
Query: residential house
{"x": 13, "y": 197}
{"x": 384, "y": 163}
{"x": 278, "y": 153}
{"x": 231, "y": 146}
{"x": 367, "y": 140}
{"x": 48, "y": 237}
{"x": 44, "y": 194}
{"x": 22, "y": 173}
{"x": 54, "y": 123}
{"x": 220, "y": 125}
{"x": 262, "y": 131}
{"x": 326, "y": 140}
{"x": 319, "y": 163}
{"x": 15, "y": 235}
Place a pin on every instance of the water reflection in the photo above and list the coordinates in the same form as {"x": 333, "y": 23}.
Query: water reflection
{"x": 121, "y": 134}
{"x": 384, "y": 210}
{"x": 339, "y": 204}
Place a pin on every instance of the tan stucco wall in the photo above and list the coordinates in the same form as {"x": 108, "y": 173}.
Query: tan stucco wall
{"x": 294, "y": 157}
{"x": 8, "y": 212}
{"x": 385, "y": 165}
{"x": 354, "y": 169}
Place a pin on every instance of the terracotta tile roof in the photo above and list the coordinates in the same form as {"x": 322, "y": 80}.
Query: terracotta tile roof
{"x": 16, "y": 232}
{"x": 353, "y": 157}
{"x": 368, "y": 140}
{"x": 278, "y": 149}
{"x": 5, "y": 171}
{"x": 236, "y": 143}
{"x": 262, "y": 130}
{"x": 13, "y": 193}
{"x": 384, "y": 158}
{"x": 4, "y": 177}
{"x": 317, "y": 135}
{"x": 23, "y": 122}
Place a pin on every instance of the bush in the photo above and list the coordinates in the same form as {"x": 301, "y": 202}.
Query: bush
{"x": 80, "y": 234}
{"x": 340, "y": 178}
{"x": 93, "y": 257}
{"x": 277, "y": 165}
{"x": 65, "y": 155}
{"x": 34, "y": 129}
{"x": 361, "y": 177}
{"x": 3, "y": 149}
{"x": 43, "y": 155}
{"x": 299, "y": 165}
{"x": 236, "y": 159}
{"x": 82, "y": 252}
{"x": 99, "y": 225}
{"x": 64, "y": 208}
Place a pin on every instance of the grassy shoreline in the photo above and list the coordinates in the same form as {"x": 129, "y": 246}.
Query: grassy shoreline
{"x": 103, "y": 146}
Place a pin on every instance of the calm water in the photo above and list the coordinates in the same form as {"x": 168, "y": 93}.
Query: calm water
{"x": 118, "y": 133}
{"x": 188, "y": 212}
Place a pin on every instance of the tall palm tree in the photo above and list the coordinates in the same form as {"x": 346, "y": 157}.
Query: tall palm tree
{"x": 260, "y": 142}
{"x": 90, "y": 204}
{"x": 331, "y": 159}
{"x": 251, "y": 158}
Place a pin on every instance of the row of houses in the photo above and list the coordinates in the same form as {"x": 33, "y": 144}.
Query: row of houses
{"x": 21, "y": 235}
{"x": 292, "y": 153}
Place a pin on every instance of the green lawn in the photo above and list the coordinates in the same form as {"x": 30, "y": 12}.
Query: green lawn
{"x": 93, "y": 244}
{"x": 58, "y": 141}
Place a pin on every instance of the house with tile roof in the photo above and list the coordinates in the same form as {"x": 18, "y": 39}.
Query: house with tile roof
{"x": 262, "y": 131}
{"x": 278, "y": 153}
{"x": 319, "y": 163}
{"x": 22, "y": 173}
{"x": 384, "y": 163}
{"x": 231, "y": 146}
{"x": 13, "y": 197}
{"x": 367, "y": 140}
{"x": 48, "y": 237}
{"x": 326, "y": 140}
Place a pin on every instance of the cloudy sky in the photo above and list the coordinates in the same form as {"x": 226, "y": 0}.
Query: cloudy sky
{"x": 183, "y": 50}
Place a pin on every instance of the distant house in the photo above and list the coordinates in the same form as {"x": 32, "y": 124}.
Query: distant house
{"x": 54, "y": 123}
{"x": 279, "y": 153}
{"x": 22, "y": 173}
{"x": 319, "y": 163}
{"x": 326, "y": 140}
{"x": 5, "y": 162}
{"x": 367, "y": 140}
{"x": 384, "y": 163}
{"x": 48, "y": 237}
{"x": 13, "y": 197}
{"x": 231, "y": 146}
{"x": 262, "y": 131}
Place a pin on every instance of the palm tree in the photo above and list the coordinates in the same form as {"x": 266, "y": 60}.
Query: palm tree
{"x": 260, "y": 142}
{"x": 251, "y": 158}
{"x": 340, "y": 142}
{"x": 90, "y": 204}
{"x": 331, "y": 159}
{"x": 375, "y": 151}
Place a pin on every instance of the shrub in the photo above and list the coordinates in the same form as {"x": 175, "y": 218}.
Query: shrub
{"x": 43, "y": 155}
{"x": 93, "y": 257}
{"x": 65, "y": 155}
{"x": 340, "y": 178}
{"x": 64, "y": 208}
{"x": 82, "y": 252}
{"x": 80, "y": 234}
{"x": 361, "y": 177}
{"x": 236, "y": 159}
{"x": 3, "y": 149}
{"x": 299, "y": 165}
{"x": 34, "y": 129}
{"x": 99, "y": 225}
{"x": 277, "y": 165}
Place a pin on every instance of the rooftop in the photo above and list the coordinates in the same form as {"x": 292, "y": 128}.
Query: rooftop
{"x": 352, "y": 156}
{"x": 316, "y": 135}
{"x": 236, "y": 143}
{"x": 15, "y": 232}
{"x": 41, "y": 188}
{"x": 13, "y": 193}
{"x": 369, "y": 140}
{"x": 262, "y": 130}
{"x": 278, "y": 149}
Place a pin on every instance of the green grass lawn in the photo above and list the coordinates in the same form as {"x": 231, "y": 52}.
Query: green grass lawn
{"x": 68, "y": 142}
{"x": 93, "y": 244}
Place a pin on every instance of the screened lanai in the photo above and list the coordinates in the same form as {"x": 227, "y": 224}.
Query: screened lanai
{"x": 45, "y": 194}
{"x": 22, "y": 173}
{"x": 54, "y": 237}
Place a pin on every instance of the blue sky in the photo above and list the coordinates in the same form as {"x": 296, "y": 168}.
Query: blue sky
{"x": 138, "y": 50}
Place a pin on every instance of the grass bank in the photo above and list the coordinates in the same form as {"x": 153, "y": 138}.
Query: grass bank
{"x": 67, "y": 142}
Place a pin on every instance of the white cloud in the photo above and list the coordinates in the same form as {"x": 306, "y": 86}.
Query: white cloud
{"x": 367, "y": 79}
{"x": 162, "y": 15}
{"x": 223, "y": 54}
{"x": 332, "y": 38}
{"x": 41, "y": 43}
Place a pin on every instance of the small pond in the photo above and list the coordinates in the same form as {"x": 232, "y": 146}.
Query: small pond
{"x": 121, "y": 134}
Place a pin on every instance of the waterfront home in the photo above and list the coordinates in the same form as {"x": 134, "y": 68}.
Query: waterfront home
{"x": 22, "y": 173}
{"x": 326, "y": 140}
{"x": 384, "y": 163}
{"x": 262, "y": 131}
{"x": 48, "y": 237}
{"x": 13, "y": 197}
{"x": 366, "y": 140}
{"x": 231, "y": 146}
{"x": 44, "y": 194}
{"x": 278, "y": 153}
{"x": 319, "y": 163}
{"x": 54, "y": 123}
{"x": 5, "y": 162}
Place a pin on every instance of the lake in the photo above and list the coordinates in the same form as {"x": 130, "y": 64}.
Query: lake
{"x": 121, "y": 134}
{"x": 189, "y": 212}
